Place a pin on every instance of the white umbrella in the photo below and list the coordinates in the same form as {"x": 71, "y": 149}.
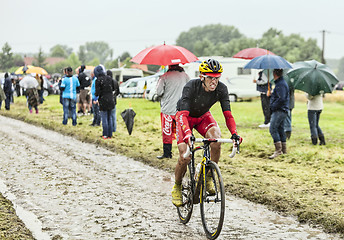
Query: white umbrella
{"x": 28, "y": 82}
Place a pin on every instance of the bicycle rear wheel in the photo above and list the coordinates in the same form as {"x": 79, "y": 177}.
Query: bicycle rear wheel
{"x": 185, "y": 211}
{"x": 213, "y": 205}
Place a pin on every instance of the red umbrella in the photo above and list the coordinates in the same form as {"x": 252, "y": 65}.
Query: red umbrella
{"x": 164, "y": 55}
{"x": 250, "y": 53}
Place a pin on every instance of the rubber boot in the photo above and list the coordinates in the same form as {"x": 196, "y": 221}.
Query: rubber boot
{"x": 284, "y": 147}
{"x": 314, "y": 140}
{"x": 278, "y": 150}
{"x": 167, "y": 151}
{"x": 322, "y": 140}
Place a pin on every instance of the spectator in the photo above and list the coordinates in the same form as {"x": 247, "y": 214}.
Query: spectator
{"x": 70, "y": 87}
{"x": 2, "y": 95}
{"x": 104, "y": 91}
{"x": 17, "y": 86}
{"x": 262, "y": 87}
{"x": 33, "y": 100}
{"x": 8, "y": 90}
{"x": 169, "y": 89}
{"x": 315, "y": 106}
{"x": 287, "y": 123}
{"x": 115, "y": 94}
{"x": 84, "y": 97}
{"x": 279, "y": 106}
{"x": 40, "y": 87}
{"x": 95, "y": 103}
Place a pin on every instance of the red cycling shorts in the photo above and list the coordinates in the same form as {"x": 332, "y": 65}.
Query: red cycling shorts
{"x": 202, "y": 124}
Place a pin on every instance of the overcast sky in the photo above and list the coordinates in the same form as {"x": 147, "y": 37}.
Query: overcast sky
{"x": 132, "y": 25}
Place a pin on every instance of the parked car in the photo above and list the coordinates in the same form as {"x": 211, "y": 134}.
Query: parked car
{"x": 152, "y": 82}
{"x": 48, "y": 87}
{"x": 134, "y": 87}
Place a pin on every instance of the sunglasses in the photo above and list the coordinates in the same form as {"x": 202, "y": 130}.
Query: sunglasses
{"x": 211, "y": 78}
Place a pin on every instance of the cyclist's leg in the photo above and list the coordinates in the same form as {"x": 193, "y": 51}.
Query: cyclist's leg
{"x": 180, "y": 170}
{"x": 208, "y": 128}
{"x": 215, "y": 148}
{"x": 182, "y": 163}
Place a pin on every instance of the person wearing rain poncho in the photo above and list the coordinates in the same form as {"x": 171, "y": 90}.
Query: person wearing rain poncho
{"x": 315, "y": 106}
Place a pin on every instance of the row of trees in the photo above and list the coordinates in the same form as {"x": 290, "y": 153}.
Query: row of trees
{"x": 220, "y": 40}
{"x": 208, "y": 40}
{"x": 92, "y": 53}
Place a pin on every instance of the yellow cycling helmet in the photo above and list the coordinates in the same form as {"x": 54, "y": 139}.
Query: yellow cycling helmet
{"x": 211, "y": 67}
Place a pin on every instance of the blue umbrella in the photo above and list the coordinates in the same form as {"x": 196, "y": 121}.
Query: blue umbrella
{"x": 268, "y": 62}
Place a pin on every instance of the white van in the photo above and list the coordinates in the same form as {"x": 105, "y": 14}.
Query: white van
{"x": 239, "y": 81}
{"x": 124, "y": 74}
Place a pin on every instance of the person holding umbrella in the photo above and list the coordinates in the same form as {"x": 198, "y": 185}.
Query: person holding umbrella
{"x": 315, "y": 106}
{"x": 169, "y": 90}
{"x": 279, "y": 106}
{"x": 198, "y": 96}
{"x": 262, "y": 87}
{"x": 315, "y": 79}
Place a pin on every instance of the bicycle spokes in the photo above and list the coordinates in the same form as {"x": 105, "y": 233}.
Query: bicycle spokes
{"x": 185, "y": 211}
{"x": 213, "y": 205}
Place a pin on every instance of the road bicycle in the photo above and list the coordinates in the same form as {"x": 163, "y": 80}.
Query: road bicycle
{"x": 195, "y": 183}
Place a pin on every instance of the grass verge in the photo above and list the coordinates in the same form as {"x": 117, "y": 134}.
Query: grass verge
{"x": 307, "y": 182}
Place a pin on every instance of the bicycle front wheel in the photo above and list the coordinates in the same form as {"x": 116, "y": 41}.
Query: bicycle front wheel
{"x": 185, "y": 211}
{"x": 212, "y": 201}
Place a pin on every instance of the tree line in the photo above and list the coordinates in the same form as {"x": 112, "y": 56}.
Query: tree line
{"x": 208, "y": 40}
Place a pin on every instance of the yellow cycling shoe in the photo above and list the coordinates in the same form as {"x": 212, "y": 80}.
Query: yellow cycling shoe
{"x": 177, "y": 199}
{"x": 210, "y": 186}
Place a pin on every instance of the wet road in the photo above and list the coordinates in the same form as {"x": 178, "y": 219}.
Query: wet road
{"x": 63, "y": 187}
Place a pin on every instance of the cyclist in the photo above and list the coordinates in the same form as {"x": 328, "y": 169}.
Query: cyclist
{"x": 198, "y": 96}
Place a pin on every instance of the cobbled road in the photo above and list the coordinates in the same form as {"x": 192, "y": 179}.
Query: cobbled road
{"x": 65, "y": 188}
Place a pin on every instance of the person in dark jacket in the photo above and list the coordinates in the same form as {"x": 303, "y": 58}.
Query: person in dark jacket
{"x": 115, "y": 94}
{"x": 279, "y": 106}
{"x": 8, "y": 90}
{"x": 84, "y": 97}
{"x": 104, "y": 91}
{"x": 262, "y": 87}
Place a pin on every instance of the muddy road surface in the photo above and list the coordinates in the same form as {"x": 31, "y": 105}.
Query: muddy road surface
{"x": 66, "y": 189}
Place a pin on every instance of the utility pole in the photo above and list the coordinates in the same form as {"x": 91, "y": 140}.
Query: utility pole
{"x": 323, "y": 47}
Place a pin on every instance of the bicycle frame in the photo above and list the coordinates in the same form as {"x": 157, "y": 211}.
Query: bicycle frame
{"x": 206, "y": 159}
{"x": 195, "y": 190}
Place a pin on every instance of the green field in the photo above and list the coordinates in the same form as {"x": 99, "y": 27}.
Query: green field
{"x": 307, "y": 182}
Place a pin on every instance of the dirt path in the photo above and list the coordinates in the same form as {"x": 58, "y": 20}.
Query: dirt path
{"x": 65, "y": 188}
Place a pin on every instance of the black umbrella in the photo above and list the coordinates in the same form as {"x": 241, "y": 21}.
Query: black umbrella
{"x": 128, "y": 116}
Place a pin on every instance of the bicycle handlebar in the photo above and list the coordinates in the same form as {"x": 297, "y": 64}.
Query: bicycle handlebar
{"x": 221, "y": 140}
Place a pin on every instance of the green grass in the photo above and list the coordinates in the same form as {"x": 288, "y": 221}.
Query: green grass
{"x": 307, "y": 182}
